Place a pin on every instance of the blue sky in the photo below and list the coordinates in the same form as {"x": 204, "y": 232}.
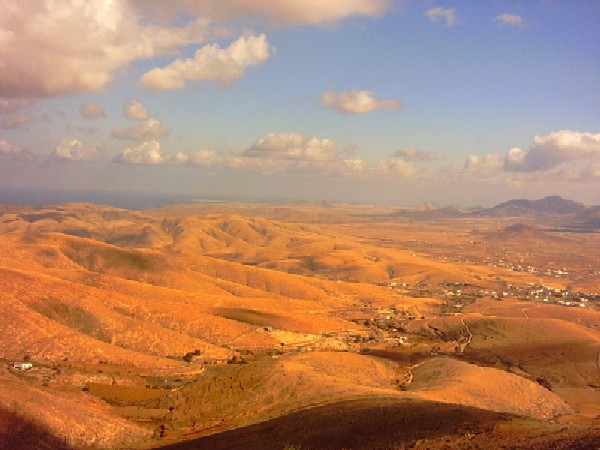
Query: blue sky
{"x": 370, "y": 101}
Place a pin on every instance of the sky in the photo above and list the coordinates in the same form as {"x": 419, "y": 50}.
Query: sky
{"x": 394, "y": 102}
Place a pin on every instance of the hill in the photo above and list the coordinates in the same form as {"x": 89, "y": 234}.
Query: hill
{"x": 520, "y": 232}
{"x": 548, "y": 205}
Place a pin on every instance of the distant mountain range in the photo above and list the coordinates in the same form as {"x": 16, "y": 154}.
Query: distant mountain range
{"x": 570, "y": 214}
{"x": 548, "y": 205}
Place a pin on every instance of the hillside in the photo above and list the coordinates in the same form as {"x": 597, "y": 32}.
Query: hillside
{"x": 170, "y": 327}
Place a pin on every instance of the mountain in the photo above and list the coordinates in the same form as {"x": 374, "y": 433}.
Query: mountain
{"x": 549, "y": 205}
{"x": 588, "y": 219}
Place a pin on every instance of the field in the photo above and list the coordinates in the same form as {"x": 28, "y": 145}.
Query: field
{"x": 311, "y": 326}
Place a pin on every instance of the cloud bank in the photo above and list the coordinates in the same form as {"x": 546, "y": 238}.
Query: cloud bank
{"x": 280, "y": 153}
{"x": 279, "y": 13}
{"x": 74, "y": 150}
{"x": 557, "y": 148}
{"x": 76, "y": 46}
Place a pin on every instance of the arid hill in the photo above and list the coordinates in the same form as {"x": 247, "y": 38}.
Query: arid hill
{"x": 151, "y": 328}
{"x": 521, "y": 232}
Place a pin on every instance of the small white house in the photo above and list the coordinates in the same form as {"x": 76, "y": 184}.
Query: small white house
{"x": 22, "y": 365}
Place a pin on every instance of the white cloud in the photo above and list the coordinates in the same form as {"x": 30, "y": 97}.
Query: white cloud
{"x": 50, "y": 48}
{"x": 149, "y": 129}
{"x": 6, "y": 148}
{"x": 280, "y": 12}
{"x": 411, "y": 154}
{"x": 396, "y": 167}
{"x": 14, "y": 120}
{"x": 356, "y": 102}
{"x": 557, "y": 148}
{"x": 58, "y": 47}
{"x": 135, "y": 110}
{"x": 11, "y": 114}
{"x": 355, "y": 165}
{"x": 292, "y": 146}
{"x": 441, "y": 14}
{"x": 210, "y": 62}
{"x": 205, "y": 158}
{"x": 510, "y": 20}
{"x": 74, "y": 150}
{"x": 145, "y": 153}
{"x": 13, "y": 105}
{"x": 92, "y": 110}
{"x": 483, "y": 165}
{"x": 277, "y": 153}
{"x": 592, "y": 171}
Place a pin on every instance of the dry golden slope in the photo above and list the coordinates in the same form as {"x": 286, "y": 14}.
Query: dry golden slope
{"x": 288, "y": 247}
{"x": 206, "y": 282}
{"x": 78, "y": 419}
{"x": 451, "y": 381}
{"x": 239, "y": 395}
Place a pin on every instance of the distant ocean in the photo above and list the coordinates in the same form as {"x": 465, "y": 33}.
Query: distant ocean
{"x": 126, "y": 200}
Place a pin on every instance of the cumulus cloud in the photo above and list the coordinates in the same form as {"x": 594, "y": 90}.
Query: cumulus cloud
{"x": 592, "y": 170}
{"x": 292, "y": 146}
{"x": 547, "y": 152}
{"x": 149, "y": 129}
{"x": 356, "y": 102}
{"x": 411, "y": 154}
{"x": 396, "y": 167}
{"x": 442, "y": 14}
{"x": 92, "y": 110}
{"x": 50, "y": 48}
{"x": 205, "y": 158}
{"x": 145, "y": 153}
{"x": 79, "y": 46}
{"x": 74, "y": 150}
{"x": 14, "y": 121}
{"x": 6, "y": 148}
{"x": 280, "y": 12}
{"x": 13, "y": 105}
{"x": 135, "y": 110}
{"x": 210, "y": 62}
{"x": 11, "y": 112}
{"x": 487, "y": 164}
{"x": 512, "y": 20}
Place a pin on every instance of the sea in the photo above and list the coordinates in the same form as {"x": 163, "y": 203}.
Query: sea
{"x": 127, "y": 200}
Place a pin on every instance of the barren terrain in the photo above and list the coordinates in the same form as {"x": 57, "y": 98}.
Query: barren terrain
{"x": 310, "y": 326}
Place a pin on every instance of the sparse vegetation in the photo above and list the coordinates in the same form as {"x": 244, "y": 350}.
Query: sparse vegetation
{"x": 72, "y": 316}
